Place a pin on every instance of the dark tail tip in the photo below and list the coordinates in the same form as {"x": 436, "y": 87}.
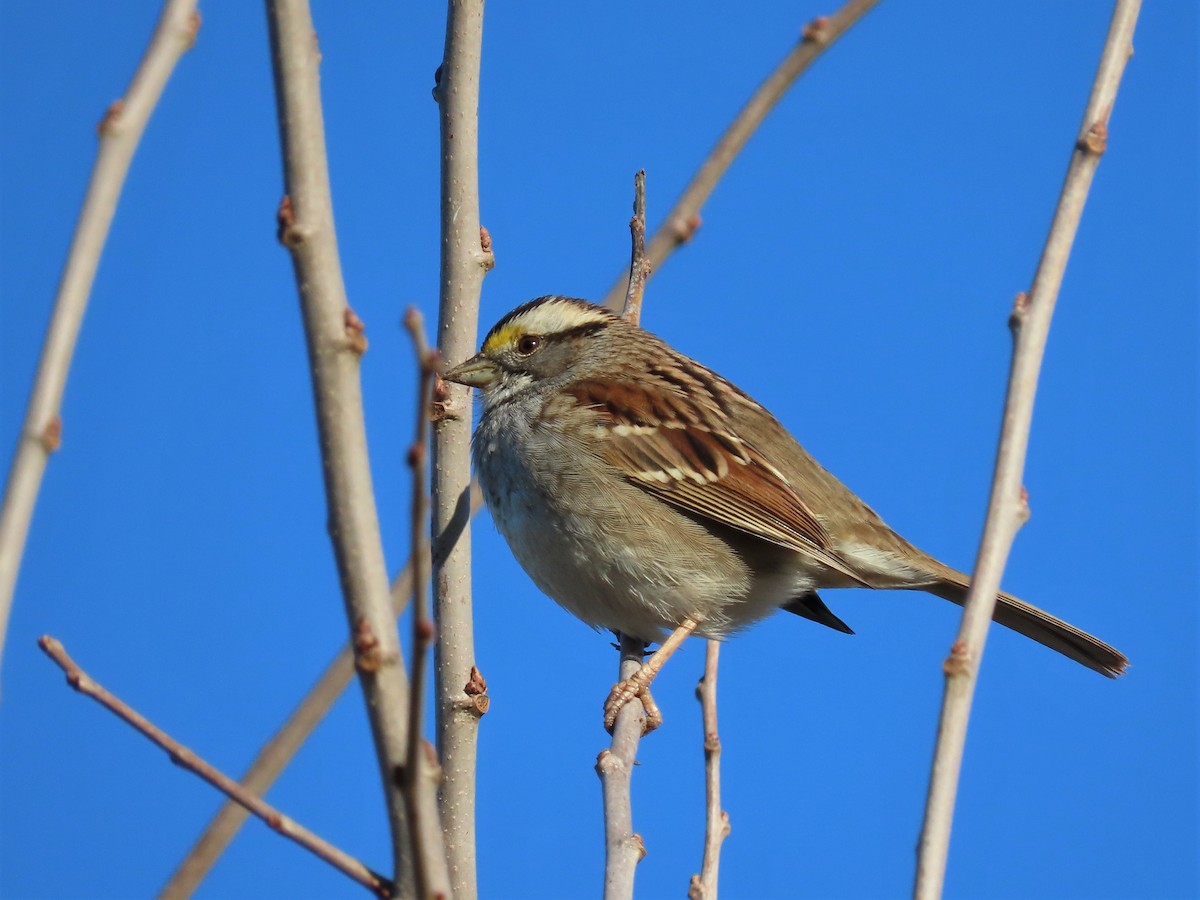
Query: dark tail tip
{"x": 810, "y": 606}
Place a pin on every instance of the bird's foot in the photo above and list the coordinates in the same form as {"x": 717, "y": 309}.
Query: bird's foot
{"x": 627, "y": 690}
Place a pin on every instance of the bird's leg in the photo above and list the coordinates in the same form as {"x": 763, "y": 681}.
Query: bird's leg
{"x": 638, "y": 684}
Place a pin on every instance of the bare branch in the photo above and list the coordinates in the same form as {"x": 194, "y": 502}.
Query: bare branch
{"x": 427, "y": 365}
{"x": 336, "y": 343}
{"x": 271, "y": 760}
{"x": 639, "y": 264}
{"x": 684, "y": 218}
{"x": 1008, "y": 506}
{"x": 431, "y": 875}
{"x": 466, "y": 258}
{"x": 182, "y": 756}
{"x": 119, "y": 131}
{"x": 623, "y": 848}
{"x": 639, "y": 267}
{"x": 716, "y": 820}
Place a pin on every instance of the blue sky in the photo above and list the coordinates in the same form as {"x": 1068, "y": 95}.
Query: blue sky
{"x": 854, "y": 272}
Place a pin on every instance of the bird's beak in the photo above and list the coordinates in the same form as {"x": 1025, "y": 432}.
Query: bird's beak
{"x": 478, "y": 371}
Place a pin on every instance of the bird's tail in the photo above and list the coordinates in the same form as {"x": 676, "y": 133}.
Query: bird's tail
{"x": 1047, "y": 630}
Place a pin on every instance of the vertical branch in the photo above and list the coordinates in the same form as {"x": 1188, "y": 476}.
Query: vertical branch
{"x": 623, "y": 847}
{"x": 1008, "y": 505}
{"x": 466, "y": 257}
{"x": 431, "y": 876}
{"x": 427, "y": 364}
{"x": 639, "y": 265}
{"x": 684, "y": 218}
{"x": 716, "y": 820}
{"x": 119, "y": 131}
{"x": 336, "y": 342}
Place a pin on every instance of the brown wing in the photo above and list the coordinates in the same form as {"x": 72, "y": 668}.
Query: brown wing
{"x": 676, "y": 446}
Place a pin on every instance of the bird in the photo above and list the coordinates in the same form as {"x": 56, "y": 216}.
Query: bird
{"x": 650, "y": 496}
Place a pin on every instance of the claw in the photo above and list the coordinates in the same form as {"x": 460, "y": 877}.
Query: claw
{"x": 621, "y": 694}
{"x": 653, "y": 713}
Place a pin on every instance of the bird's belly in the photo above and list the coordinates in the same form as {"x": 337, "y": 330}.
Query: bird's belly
{"x": 618, "y": 562}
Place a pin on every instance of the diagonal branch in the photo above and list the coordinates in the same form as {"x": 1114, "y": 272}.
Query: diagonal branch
{"x": 684, "y": 218}
{"x": 41, "y": 433}
{"x": 182, "y": 756}
{"x": 271, "y": 760}
{"x": 336, "y": 342}
{"x": 1008, "y": 506}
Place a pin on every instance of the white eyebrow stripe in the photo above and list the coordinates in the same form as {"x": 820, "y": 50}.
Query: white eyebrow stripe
{"x": 552, "y": 316}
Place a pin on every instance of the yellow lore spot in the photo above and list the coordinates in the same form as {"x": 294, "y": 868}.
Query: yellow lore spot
{"x": 505, "y": 337}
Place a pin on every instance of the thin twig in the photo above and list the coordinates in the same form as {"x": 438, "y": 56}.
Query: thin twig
{"x": 417, "y": 453}
{"x": 183, "y": 756}
{"x": 336, "y": 342}
{"x": 431, "y": 875}
{"x": 466, "y": 258}
{"x": 716, "y": 820}
{"x": 275, "y": 755}
{"x": 684, "y": 218}
{"x": 639, "y": 264}
{"x": 267, "y": 766}
{"x": 623, "y": 847}
{"x": 1008, "y": 505}
{"x": 119, "y": 131}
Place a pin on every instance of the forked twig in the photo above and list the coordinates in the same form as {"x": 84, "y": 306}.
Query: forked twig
{"x": 120, "y": 130}
{"x": 716, "y": 820}
{"x": 182, "y": 756}
{"x": 1008, "y": 505}
{"x": 684, "y": 218}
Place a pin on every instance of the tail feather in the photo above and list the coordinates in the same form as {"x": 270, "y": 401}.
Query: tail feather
{"x": 811, "y": 606}
{"x": 1047, "y": 630}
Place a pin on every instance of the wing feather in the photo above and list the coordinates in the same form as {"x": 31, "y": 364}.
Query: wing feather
{"x": 676, "y": 446}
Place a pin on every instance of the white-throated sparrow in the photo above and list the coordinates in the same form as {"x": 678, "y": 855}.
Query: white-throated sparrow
{"x": 643, "y": 491}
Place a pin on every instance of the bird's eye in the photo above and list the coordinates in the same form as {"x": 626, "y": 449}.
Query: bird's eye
{"x": 528, "y": 344}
